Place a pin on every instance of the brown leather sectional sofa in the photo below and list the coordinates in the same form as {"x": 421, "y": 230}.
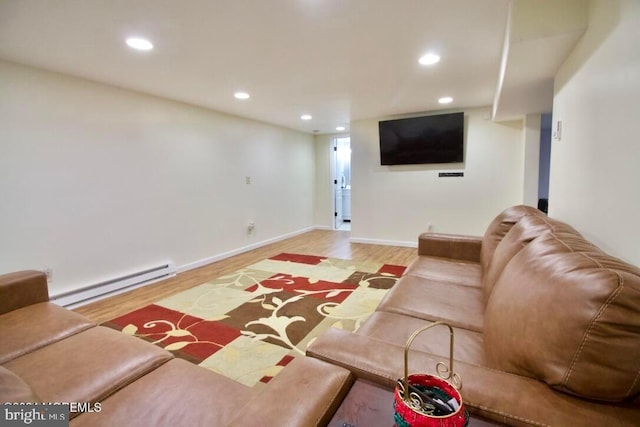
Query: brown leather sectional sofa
{"x": 50, "y": 354}
{"x": 546, "y": 325}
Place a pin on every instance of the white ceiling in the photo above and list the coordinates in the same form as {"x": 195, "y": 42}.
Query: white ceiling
{"x": 338, "y": 60}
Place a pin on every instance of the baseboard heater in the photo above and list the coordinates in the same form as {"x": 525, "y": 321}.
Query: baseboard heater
{"x": 114, "y": 286}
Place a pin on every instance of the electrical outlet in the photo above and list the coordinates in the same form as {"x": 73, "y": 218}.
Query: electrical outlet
{"x": 247, "y": 179}
{"x": 251, "y": 226}
{"x": 48, "y": 271}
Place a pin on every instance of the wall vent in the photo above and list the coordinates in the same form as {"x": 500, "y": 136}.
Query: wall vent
{"x": 114, "y": 286}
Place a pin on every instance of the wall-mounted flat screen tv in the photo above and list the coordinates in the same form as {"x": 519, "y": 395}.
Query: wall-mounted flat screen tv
{"x": 421, "y": 140}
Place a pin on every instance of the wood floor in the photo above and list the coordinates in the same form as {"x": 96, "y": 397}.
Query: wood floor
{"x": 334, "y": 244}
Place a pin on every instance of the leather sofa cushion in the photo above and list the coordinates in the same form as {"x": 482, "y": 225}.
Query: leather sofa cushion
{"x": 524, "y": 231}
{"x": 396, "y": 329}
{"x": 568, "y": 317}
{"x": 306, "y": 393}
{"x": 465, "y": 273}
{"x": 177, "y": 393}
{"x": 34, "y": 326}
{"x": 13, "y": 389}
{"x": 458, "y": 305}
{"x": 88, "y": 366}
{"x": 499, "y": 227}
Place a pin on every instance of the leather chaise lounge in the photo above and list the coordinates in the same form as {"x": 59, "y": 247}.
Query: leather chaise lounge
{"x": 546, "y": 325}
{"x": 50, "y": 354}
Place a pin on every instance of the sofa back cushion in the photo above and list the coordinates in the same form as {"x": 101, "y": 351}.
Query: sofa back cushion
{"x": 499, "y": 227}
{"x": 521, "y": 233}
{"x": 569, "y": 315}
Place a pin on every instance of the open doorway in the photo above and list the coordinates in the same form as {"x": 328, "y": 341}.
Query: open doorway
{"x": 342, "y": 182}
{"x": 545, "y": 162}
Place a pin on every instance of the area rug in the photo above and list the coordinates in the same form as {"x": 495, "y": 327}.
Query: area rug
{"x": 250, "y": 324}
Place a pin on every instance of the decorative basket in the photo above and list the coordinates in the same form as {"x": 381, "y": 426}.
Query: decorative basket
{"x": 423, "y": 400}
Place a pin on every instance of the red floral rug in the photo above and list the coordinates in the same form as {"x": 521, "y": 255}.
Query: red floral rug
{"x": 249, "y": 324}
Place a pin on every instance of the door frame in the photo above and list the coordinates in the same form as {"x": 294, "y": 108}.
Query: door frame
{"x": 337, "y": 204}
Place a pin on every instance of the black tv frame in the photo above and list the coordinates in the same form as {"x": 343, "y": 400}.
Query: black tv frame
{"x": 432, "y": 139}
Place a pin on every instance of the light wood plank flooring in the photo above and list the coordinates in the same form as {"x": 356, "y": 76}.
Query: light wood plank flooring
{"x": 334, "y": 244}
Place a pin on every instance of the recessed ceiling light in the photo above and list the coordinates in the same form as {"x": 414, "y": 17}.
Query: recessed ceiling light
{"x": 445, "y": 100}
{"x": 242, "y": 95}
{"x": 306, "y": 117}
{"x": 429, "y": 59}
{"x": 340, "y": 128}
{"x": 139, "y": 44}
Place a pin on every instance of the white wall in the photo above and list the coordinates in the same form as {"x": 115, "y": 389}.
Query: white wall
{"x": 595, "y": 167}
{"x": 96, "y": 181}
{"x": 396, "y": 203}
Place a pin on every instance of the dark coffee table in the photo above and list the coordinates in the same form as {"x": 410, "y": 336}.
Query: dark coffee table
{"x": 371, "y": 405}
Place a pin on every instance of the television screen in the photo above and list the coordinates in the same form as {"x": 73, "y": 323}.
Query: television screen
{"x": 420, "y": 140}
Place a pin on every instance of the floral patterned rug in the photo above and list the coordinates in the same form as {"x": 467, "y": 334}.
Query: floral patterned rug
{"x": 249, "y": 324}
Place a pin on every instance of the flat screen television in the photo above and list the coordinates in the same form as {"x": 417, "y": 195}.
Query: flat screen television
{"x": 422, "y": 140}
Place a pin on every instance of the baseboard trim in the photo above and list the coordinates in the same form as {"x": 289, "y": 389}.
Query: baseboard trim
{"x": 324, "y": 227}
{"x": 243, "y": 249}
{"x": 384, "y": 242}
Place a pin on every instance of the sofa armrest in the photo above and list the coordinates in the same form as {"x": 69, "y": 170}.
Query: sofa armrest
{"x": 453, "y": 246}
{"x": 21, "y": 289}
{"x": 306, "y": 393}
